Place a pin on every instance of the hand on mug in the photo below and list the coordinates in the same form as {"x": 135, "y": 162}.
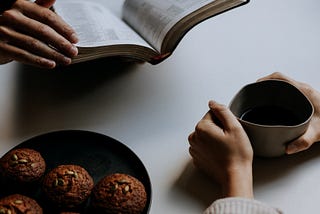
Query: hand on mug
{"x": 33, "y": 34}
{"x": 220, "y": 148}
{"x": 312, "y": 134}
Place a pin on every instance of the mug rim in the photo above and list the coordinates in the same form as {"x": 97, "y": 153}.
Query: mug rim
{"x": 273, "y": 126}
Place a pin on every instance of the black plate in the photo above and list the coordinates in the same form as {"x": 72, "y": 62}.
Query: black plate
{"x": 99, "y": 154}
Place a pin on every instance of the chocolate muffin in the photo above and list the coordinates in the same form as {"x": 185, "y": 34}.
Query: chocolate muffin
{"x": 67, "y": 186}
{"x": 119, "y": 193}
{"x": 22, "y": 165}
{"x": 21, "y": 204}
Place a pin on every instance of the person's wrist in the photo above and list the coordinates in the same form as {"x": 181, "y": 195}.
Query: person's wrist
{"x": 6, "y": 5}
{"x": 238, "y": 182}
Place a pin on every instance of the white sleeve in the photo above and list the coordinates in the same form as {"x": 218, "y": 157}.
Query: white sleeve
{"x": 235, "y": 205}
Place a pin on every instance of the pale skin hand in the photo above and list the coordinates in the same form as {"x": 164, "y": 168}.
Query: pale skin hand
{"x": 223, "y": 151}
{"x": 33, "y": 34}
{"x": 312, "y": 134}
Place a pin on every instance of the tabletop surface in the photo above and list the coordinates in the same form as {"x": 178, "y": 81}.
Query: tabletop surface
{"x": 153, "y": 108}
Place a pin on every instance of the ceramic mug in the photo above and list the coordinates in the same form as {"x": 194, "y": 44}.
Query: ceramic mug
{"x": 273, "y": 113}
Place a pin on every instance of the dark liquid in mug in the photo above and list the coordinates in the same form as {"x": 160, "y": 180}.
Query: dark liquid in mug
{"x": 270, "y": 115}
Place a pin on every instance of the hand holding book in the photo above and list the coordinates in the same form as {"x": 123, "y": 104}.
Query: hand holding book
{"x": 149, "y": 30}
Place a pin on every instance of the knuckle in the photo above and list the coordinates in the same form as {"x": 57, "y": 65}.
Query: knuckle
{"x": 32, "y": 43}
{"x": 200, "y": 127}
{"x": 43, "y": 30}
{"x": 63, "y": 45}
{"x": 49, "y": 16}
{"x": 276, "y": 74}
{"x": 37, "y": 60}
{"x": 304, "y": 143}
{"x": 56, "y": 56}
{"x": 236, "y": 127}
{"x": 8, "y": 14}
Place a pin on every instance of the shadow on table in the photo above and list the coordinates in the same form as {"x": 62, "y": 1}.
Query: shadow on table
{"x": 50, "y": 99}
{"x": 198, "y": 186}
{"x": 269, "y": 169}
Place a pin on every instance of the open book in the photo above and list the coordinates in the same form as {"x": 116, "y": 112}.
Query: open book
{"x": 145, "y": 30}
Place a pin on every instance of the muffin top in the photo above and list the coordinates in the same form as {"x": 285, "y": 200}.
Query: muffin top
{"x": 119, "y": 193}
{"x": 22, "y": 165}
{"x": 21, "y": 204}
{"x": 68, "y": 185}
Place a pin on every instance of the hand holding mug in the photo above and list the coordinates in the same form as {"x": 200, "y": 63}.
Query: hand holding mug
{"x": 220, "y": 148}
{"x": 312, "y": 133}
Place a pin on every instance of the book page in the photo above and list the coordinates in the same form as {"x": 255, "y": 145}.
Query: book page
{"x": 154, "y": 18}
{"x": 113, "y": 5}
{"x": 95, "y": 25}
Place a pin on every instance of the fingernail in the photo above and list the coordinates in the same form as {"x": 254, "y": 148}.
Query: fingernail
{"x": 66, "y": 61}
{"x": 47, "y": 63}
{"x": 292, "y": 148}
{"x": 211, "y": 103}
{"x": 74, "y": 50}
{"x": 74, "y": 38}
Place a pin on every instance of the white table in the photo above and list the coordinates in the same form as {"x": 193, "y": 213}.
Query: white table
{"x": 152, "y": 109}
